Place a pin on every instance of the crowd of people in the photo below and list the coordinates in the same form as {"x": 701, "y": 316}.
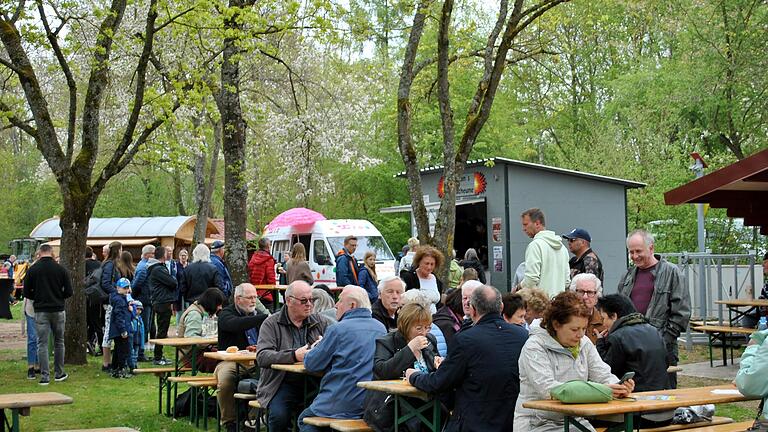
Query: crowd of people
{"x": 481, "y": 352}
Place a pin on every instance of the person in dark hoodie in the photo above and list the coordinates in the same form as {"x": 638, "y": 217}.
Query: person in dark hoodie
{"x": 472, "y": 261}
{"x": 162, "y": 288}
{"x": 48, "y": 285}
{"x": 200, "y": 275}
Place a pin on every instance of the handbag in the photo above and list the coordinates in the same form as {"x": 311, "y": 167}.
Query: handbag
{"x": 760, "y": 424}
{"x": 579, "y": 391}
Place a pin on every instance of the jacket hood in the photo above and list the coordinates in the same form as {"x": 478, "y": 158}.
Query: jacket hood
{"x": 629, "y": 320}
{"x": 549, "y": 237}
{"x": 260, "y": 257}
{"x": 152, "y": 261}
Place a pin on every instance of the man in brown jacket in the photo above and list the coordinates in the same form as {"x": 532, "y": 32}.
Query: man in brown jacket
{"x": 284, "y": 338}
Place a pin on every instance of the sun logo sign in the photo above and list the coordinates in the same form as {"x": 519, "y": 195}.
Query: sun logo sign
{"x": 469, "y": 184}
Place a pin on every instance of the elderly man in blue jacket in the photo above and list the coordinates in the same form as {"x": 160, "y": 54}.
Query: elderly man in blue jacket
{"x": 481, "y": 369}
{"x": 345, "y": 354}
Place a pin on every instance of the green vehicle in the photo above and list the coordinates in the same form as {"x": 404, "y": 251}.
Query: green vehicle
{"x": 24, "y": 249}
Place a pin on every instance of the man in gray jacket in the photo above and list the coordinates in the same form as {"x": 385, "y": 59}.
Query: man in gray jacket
{"x": 657, "y": 291}
{"x": 284, "y": 338}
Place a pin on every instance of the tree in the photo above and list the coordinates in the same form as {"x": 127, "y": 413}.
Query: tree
{"x": 74, "y": 165}
{"x": 495, "y": 57}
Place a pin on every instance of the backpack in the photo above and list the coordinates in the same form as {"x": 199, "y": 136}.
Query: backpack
{"x": 93, "y": 291}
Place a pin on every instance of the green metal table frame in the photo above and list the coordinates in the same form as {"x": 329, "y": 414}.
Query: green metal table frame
{"x": 628, "y": 425}
{"x": 14, "y": 425}
{"x": 409, "y": 411}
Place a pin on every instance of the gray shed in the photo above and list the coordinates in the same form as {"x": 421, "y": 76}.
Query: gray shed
{"x": 493, "y": 192}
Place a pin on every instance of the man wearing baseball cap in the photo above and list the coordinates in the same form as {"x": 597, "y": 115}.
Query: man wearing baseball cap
{"x": 585, "y": 260}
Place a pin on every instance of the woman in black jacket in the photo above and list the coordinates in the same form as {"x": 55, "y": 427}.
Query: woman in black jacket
{"x": 472, "y": 261}
{"x": 410, "y": 346}
{"x": 199, "y": 276}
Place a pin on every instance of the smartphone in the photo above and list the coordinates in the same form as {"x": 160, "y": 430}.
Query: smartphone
{"x": 627, "y": 376}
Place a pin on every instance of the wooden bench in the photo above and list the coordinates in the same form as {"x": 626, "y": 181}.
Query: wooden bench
{"x": 730, "y": 427}
{"x": 718, "y": 332}
{"x": 356, "y": 425}
{"x": 245, "y": 397}
{"x": 676, "y": 427}
{"x": 201, "y": 385}
{"x": 162, "y": 374}
{"x": 319, "y": 421}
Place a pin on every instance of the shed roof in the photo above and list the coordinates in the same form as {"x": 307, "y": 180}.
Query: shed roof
{"x": 505, "y": 161}
{"x": 161, "y": 226}
{"x": 741, "y": 188}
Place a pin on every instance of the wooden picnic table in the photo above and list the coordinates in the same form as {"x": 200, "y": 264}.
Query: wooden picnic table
{"x": 241, "y": 356}
{"x": 178, "y": 343}
{"x": 715, "y": 333}
{"x": 21, "y": 404}
{"x": 402, "y": 389}
{"x": 640, "y": 403}
{"x": 734, "y": 306}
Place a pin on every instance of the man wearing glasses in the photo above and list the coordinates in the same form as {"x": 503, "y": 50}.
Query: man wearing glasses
{"x": 285, "y": 338}
{"x": 589, "y": 288}
{"x": 584, "y": 259}
{"x": 239, "y": 324}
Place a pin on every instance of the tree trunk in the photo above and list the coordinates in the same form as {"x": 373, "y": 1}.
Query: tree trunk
{"x": 204, "y": 193}
{"x": 74, "y": 227}
{"x": 177, "y": 196}
{"x": 233, "y": 125}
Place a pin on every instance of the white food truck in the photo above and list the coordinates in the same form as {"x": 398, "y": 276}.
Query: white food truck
{"x": 324, "y": 239}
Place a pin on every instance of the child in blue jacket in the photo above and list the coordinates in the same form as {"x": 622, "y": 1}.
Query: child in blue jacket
{"x": 137, "y": 337}
{"x": 120, "y": 328}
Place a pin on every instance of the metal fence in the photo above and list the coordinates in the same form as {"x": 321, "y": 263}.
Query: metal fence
{"x": 712, "y": 277}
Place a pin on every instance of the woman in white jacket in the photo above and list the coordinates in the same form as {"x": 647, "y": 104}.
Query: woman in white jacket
{"x": 556, "y": 352}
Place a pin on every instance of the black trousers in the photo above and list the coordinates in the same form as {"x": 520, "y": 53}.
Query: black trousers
{"x": 162, "y": 313}
{"x": 94, "y": 317}
{"x": 122, "y": 353}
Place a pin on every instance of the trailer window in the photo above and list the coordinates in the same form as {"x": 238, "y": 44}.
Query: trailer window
{"x": 364, "y": 244}
{"x": 320, "y": 253}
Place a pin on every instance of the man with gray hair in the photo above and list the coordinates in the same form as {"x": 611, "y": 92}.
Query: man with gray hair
{"x": 140, "y": 291}
{"x": 285, "y": 338}
{"x": 239, "y": 325}
{"x": 589, "y": 288}
{"x": 481, "y": 369}
{"x": 345, "y": 356}
{"x": 657, "y": 291}
{"x": 384, "y": 309}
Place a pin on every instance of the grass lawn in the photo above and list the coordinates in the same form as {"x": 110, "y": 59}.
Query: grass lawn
{"x": 99, "y": 400}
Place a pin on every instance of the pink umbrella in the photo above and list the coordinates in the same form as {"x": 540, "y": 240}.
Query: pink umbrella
{"x": 294, "y": 216}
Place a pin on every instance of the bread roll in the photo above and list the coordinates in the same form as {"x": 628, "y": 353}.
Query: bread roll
{"x": 232, "y": 349}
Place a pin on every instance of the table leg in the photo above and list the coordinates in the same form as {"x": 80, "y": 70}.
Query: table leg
{"x": 629, "y": 422}
{"x": 568, "y": 421}
{"x": 15, "y": 420}
{"x": 709, "y": 338}
{"x": 193, "y": 360}
{"x": 723, "y": 337}
{"x": 3, "y": 420}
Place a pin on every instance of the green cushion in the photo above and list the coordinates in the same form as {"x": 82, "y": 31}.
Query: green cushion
{"x": 578, "y": 391}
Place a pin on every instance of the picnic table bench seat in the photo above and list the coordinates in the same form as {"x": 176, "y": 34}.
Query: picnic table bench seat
{"x": 159, "y": 370}
{"x": 728, "y": 427}
{"x": 355, "y": 425}
{"x": 319, "y": 421}
{"x": 678, "y": 427}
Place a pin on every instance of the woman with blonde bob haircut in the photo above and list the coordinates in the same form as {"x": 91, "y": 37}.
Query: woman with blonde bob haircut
{"x": 410, "y": 346}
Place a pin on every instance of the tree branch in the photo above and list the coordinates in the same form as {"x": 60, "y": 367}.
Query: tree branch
{"x": 173, "y": 19}
{"x": 71, "y": 84}
{"x": 10, "y": 66}
{"x": 21, "y": 124}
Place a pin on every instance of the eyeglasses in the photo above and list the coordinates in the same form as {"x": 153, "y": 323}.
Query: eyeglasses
{"x": 251, "y": 298}
{"x": 587, "y": 293}
{"x": 303, "y": 301}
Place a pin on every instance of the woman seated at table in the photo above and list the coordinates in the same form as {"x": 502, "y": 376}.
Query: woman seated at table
{"x": 411, "y": 346}
{"x": 191, "y": 321}
{"x": 557, "y": 351}
{"x": 753, "y": 368}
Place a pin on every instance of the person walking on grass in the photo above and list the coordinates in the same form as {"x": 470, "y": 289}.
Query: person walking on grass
{"x": 48, "y": 285}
